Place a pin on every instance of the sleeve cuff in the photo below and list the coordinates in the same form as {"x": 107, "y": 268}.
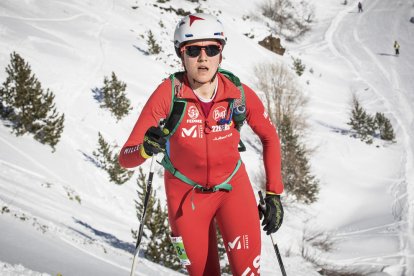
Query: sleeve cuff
{"x": 143, "y": 153}
{"x": 271, "y": 193}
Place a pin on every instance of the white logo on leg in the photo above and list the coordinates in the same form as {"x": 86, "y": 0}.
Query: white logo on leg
{"x": 240, "y": 242}
{"x": 250, "y": 271}
{"x": 232, "y": 245}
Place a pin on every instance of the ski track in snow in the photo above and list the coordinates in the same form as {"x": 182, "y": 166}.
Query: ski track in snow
{"x": 94, "y": 255}
{"x": 28, "y": 157}
{"x": 95, "y": 69}
{"x": 340, "y": 48}
{"x": 70, "y": 18}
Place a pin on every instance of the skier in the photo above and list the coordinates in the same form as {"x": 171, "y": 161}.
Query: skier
{"x": 397, "y": 48}
{"x": 205, "y": 180}
{"x": 360, "y": 7}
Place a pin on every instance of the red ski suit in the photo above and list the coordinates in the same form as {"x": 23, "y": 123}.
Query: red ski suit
{"x": 206, "y": 152}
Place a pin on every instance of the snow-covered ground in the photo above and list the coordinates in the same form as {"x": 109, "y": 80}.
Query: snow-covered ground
{"x": 366, "y": 197}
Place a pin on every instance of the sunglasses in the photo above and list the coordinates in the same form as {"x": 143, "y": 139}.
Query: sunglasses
{"x": 194, "y": 50}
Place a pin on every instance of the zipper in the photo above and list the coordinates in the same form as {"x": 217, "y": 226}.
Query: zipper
{"x": 203, "y": 131}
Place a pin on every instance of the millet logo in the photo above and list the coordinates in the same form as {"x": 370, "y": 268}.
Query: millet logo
{"x": 240, "y": 242}
{"x": 190, "y": 132}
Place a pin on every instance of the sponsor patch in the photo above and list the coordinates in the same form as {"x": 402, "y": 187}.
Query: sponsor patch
{"x": 193, "y": 112}
{"x": 219, "y": 113}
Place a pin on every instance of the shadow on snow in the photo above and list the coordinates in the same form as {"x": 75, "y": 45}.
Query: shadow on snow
{"x": 106, "y": 237}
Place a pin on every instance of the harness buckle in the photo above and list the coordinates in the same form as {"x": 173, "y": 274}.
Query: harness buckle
{"x": 204, "y": 189}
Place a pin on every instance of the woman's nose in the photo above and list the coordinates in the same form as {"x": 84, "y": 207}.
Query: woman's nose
{"x": 203, "y": 54}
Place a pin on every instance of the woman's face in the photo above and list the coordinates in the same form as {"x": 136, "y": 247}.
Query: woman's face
{"x": 201, "y": 59}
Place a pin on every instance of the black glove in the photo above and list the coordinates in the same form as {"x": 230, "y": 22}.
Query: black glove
{"x": 154, "y": 141}
{"x": 273, "y": 213}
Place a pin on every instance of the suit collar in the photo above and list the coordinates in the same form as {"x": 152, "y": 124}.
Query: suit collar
{"x": 226, "y": 90}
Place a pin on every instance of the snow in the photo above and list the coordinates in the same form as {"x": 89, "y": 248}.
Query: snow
{"x": 366, "y": 199}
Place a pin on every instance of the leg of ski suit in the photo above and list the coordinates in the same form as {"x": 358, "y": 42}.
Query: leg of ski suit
{"x": 236, "y": 215}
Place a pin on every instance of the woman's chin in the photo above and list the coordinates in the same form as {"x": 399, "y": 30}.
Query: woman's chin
{"x": 203, "y": 78}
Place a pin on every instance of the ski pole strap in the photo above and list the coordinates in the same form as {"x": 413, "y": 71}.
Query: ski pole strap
{"x": 225, "y": 185}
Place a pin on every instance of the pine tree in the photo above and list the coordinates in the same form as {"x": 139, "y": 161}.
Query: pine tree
{"x": 107, "y": 160}
{"x": 358, "y": 116}
{"x": 51, "y": 132}
{"x": 103, "y": 153}
{"x": 298, "y": 66}
{"x": 153, "y": 47}
{"x": 155, "y": 224}
{"x": 159, "y": 248}
{"x": 295, "y": 165}
{"x": 171, "y": 259}
{"x": 384, "y": 126}
{"x": 224, "y": 263}
{"x": 24, "y": 103}
{"x": 141, "y": 191}
{"x": 114, "y": 97}
{"x": 118, "y": 174}
{"x": 367, "y": 132}
{"x": 367, "y": 127}
{"x": 361, "y": 122}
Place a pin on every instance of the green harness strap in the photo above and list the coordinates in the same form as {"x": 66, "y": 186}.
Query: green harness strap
{"x": 225, "y": 185}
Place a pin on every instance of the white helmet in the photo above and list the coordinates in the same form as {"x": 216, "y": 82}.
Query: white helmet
{"x": 198, "y": 26}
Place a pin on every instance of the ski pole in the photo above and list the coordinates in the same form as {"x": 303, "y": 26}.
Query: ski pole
{"x": 144, "y": 212}
{"x": 279, "y": 258}
{"x": 146, "y": 200}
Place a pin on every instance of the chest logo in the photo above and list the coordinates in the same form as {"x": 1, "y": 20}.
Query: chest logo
{"x": 195, "y": 131}
{"x": 219, "y": 113}
{"x": 193, "y": 112}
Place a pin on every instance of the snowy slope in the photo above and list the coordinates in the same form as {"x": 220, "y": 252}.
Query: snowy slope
{"x": 366, "y": 191}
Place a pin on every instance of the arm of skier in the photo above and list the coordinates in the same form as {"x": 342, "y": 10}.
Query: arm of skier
{"x": 261, "y": 124}
{"x": 157, "y": 107}
{"x": 259, "y": 121}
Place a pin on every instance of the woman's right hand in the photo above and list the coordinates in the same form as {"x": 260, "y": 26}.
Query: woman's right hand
{"x": 154, "y": 142}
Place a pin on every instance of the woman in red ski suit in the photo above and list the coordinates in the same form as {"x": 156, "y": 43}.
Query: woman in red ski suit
{"x": 204, "y": 148}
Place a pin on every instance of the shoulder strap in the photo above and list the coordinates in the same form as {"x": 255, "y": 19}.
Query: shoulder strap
{"x": 235, "y": 80}
{"x": 177, "y": 105}
{"x": 239, "y": 106}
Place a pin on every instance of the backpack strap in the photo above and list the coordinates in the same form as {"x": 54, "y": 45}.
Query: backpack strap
{"x": 239, "y": 105}
{"x": 177, "y": 107}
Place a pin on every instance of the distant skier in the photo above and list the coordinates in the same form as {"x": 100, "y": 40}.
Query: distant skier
{"x": 360, "y": 7}
{"x": 397, "y": 48}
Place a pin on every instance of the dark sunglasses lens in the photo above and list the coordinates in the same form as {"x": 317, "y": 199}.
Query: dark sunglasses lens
{"x": 211, "y": 50}
{"x": 193, "y": 51}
